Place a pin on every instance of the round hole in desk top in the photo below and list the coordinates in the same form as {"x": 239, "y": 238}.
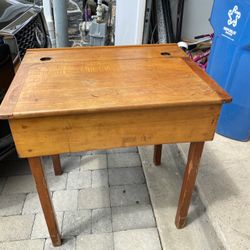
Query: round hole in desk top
{"x": 44, "y": 59}
{"x": 165, "y": 53}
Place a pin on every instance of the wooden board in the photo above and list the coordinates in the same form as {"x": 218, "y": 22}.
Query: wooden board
{"x": 86, "y": 80}
{"x": 73, "y": 133}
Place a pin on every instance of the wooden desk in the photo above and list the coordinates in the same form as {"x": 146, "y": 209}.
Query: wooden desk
{"x": 75, "y": 99}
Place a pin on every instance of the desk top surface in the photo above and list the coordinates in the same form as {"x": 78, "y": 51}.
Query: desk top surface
{"x": 80, "y": 80}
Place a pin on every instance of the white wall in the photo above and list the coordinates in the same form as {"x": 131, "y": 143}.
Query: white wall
{"x": 196, "y": 18}
{"x": 129, "y": 21}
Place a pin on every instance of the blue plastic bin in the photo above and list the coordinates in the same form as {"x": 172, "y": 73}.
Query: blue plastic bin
{"x": 229, "y": 64}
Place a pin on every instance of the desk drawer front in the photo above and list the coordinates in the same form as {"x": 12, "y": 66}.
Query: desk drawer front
{"x": 73, "y": 133}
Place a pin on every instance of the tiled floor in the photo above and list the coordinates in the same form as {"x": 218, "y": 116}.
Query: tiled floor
{"x": 101, "y": 202}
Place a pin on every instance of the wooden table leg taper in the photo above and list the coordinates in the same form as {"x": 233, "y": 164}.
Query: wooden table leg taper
{"x": 45, "y": 199}
{"x": 57, "y": 164}
{"x": 157, "y": 154}
{"x": 191, "y": 171}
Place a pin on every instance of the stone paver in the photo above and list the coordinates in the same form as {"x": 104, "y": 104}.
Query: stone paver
{"x": 139, "y": 239}
{"x": 67, "y": 244}
{"x": 91, "y": 152}
{"x": 100, "y": 178}
{"x": 93, "y": 162}
{"x": 91, "y": 198}
{"x": 40, "y": 229}
{"x": 19, "y": 184}
{"x": 123, "y": 150}
{"x": 124, "y": 176}
{"x": 76, "y": 222}
{"x": 11, "y": 204}
{"x": 47, "y": 164}
{"x": 82, "y": 198}
{"x": 79, "y": 180}
{"x": 16, "y": 227}
{"x": 132, "y": 217}
{"x": 119, "y": 160}
{"x": 23, "y": 245}
{"x": 101, "y": 221}
{"x": 56, "y": 182}
{"x": 70, "y": 163}
{"x": 95, "y": 242}
{"x": 129, "y": 195}
{"x": 65, "y": 200}
{"x": 32, "y": 204}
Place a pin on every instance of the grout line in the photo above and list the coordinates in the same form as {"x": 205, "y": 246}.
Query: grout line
{"x": 156, "y": 226}
{"x": 111, "y": 212}
{"x": 33, "y": 225}
{"x": 63, "y": 217}
{"x": 44, "y": 243}
{"x": 26, "y": 195}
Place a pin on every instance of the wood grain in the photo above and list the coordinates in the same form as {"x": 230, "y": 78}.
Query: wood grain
{"x": 45, "y": 199}
{"x": 77, "y": 81}
{"x": 73, "y": 133}
{"x": 191, "y": 171}
{"x": 204, "y": 76}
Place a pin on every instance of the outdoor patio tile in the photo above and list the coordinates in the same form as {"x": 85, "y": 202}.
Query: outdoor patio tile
{"x": 11, "y": 204}
{"x": 19, "y": 184}
{"x": 76, "y": 222}
{"x": 139, "y": 239}
{"x": 132, "y": 217}
{"x": 96, "y": 152}
{"x": 129, "y": 195}
{"x": 124, "y": 176}
{"x": 23, "y": 245}
{"x": 47, "y": 164}
{"x": 119, "y": 160}
{"x": 123, "y": 150}
{"x": 91, "y": 198}
{"x": 101, "y": 221}
{"x": 100, "y": 178}
{"x": 67, "y": 244}
{"x": 65, "y": 200}
{"x": 32, "y": 204}
{"x": 95, "y": 242}
{"x": 93, "y": 162}
{"x": 40, "y": 229}
{"x": 56, "y": 182}
{"x": 79, "y": 180}
{"x": 70, "y": 163}
{"x": 16, "y": 227}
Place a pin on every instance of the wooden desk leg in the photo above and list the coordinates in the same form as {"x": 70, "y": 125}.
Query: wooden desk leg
{"x": 57, "y": 164}
{"x": 44, "y": 196}
{"x": 157, "y": 154}
{"x": 191, "y": 171}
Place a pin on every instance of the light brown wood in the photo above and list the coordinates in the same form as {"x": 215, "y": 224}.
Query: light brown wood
{"x": 157, "y": 154}
{"x": 77, "y": 81}
{"x": 57, "y": 164}
{"x": 45, "y": 199}
{"x": 60, "y": 134}
{"x": 191, "y": 171}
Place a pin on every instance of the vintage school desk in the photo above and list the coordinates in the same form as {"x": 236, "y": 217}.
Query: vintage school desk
{"x": 75, "y": 99}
